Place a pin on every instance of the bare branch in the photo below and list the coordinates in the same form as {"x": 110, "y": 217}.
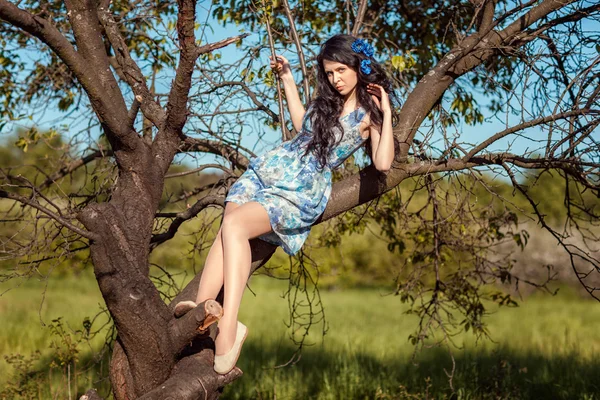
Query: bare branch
{"x": 296, "y": 40}
{"x": 199, "y": 169}
{"x": 168, "y": 139}
{"x": 68, "y": 169}
{"x": 360, "y": 15}
{"x": 572, "y": 250}
{"x": 471, "y": 52}
{"x": 186, "y": 215}
{"x": 285, "y": 134}
{"x": 61, "y": 220}
{"x": 260, "y": 106}
{"x": 524, "y": 125}
{"x": 215, "y": 147}
{"x": 207, "y": 48}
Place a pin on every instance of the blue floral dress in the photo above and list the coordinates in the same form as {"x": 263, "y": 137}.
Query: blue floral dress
{"x": 290, "y": 185}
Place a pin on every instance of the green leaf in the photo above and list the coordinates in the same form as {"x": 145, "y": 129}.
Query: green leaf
{"x": 399, "y": 63}
{"x": 22, "y": 144}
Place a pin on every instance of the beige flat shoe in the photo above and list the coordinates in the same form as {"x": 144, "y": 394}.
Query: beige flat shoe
{"x": 227, "y": 361}
{"x": 183, "y": 307}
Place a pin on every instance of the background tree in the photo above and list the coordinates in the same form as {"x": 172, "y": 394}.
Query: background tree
{"x": 135, "y": 72}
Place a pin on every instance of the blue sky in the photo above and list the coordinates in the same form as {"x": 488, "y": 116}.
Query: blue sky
{"x": 214, "y": 31}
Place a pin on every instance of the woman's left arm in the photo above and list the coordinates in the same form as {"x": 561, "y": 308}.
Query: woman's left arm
{"x": 382, "y": 138}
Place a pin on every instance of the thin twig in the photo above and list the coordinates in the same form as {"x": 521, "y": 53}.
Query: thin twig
{"x": 199, "y": 169}
{"x": 285, "y": 134}
{"x": 296, "y": 39}
{"x": 87, "y": 234}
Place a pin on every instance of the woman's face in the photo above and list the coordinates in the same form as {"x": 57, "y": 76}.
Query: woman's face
{"x": 341, "y": 77}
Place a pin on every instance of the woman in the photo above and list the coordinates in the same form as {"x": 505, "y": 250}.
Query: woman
{"x": 284, "y": 191}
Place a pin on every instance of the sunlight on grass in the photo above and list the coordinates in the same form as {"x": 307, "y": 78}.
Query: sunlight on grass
{"x": 547, "y": 347}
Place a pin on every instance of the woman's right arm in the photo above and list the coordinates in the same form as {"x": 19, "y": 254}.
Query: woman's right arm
{"x": 295, "y": 107}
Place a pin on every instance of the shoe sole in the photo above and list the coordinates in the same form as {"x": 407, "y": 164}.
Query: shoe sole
{"x": 237, "y": 355}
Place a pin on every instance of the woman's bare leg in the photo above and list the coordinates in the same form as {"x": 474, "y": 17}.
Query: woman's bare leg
{"x": 246, "y": 222}
{"x": 211, "y": 280}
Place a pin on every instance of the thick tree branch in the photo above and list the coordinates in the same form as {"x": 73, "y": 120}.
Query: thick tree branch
{"x": 130, "y": 71}
{"x": 532, "y": 16}
{"x": 575, "y": 16}
{"x": 369, "y": 184}
{"x": 178, "y": 96}
{"x": 87, "y": 63}
{"x": 487, "y": 14}
{"x": 167, "y": 139}
{"x": 46, "y": 32}
{"x": 193, "y": 378}
{"x": 193, "y": 324}
{"x": 97, "y": 79}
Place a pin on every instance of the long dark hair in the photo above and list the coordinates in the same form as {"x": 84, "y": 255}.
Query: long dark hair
{"x": 328, "y": 104}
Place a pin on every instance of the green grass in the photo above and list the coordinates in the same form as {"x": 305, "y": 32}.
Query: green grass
{"x": 547, "y": 348}
{"x": 28, "y": 311}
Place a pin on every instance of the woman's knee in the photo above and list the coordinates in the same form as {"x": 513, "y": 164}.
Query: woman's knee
{"x": 231, "y": 227}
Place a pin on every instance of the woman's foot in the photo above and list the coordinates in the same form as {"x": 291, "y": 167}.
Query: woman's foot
{"x": 226, "y": 362}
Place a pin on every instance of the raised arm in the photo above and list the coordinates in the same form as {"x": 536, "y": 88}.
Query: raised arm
{"x": 382, "y": 138}
{"x": 295, "y": 107}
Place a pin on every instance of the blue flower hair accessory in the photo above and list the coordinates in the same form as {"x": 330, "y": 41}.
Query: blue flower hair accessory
{"x": 365, "y": 67}
{"x": 362, "y": 46}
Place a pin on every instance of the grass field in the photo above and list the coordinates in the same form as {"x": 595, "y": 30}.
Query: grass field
{"x": 547, "y": 348}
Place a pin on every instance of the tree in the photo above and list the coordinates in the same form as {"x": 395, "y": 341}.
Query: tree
{"x": 104, "y": 59}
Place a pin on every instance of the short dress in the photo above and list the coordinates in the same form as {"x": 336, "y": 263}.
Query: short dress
{"x": 290, "y": 185}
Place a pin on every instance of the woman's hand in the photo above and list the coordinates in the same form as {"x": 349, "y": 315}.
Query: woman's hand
{"x": 382, "y": 137}
{"x": 380, "y": 97}
{"x": 281, "y": 66}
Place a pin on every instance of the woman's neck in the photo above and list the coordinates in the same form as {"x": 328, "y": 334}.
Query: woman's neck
{"x": 350, "y": 100}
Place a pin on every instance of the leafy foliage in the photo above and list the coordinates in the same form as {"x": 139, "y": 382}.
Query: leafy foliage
{"x": 33, "y": 77}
